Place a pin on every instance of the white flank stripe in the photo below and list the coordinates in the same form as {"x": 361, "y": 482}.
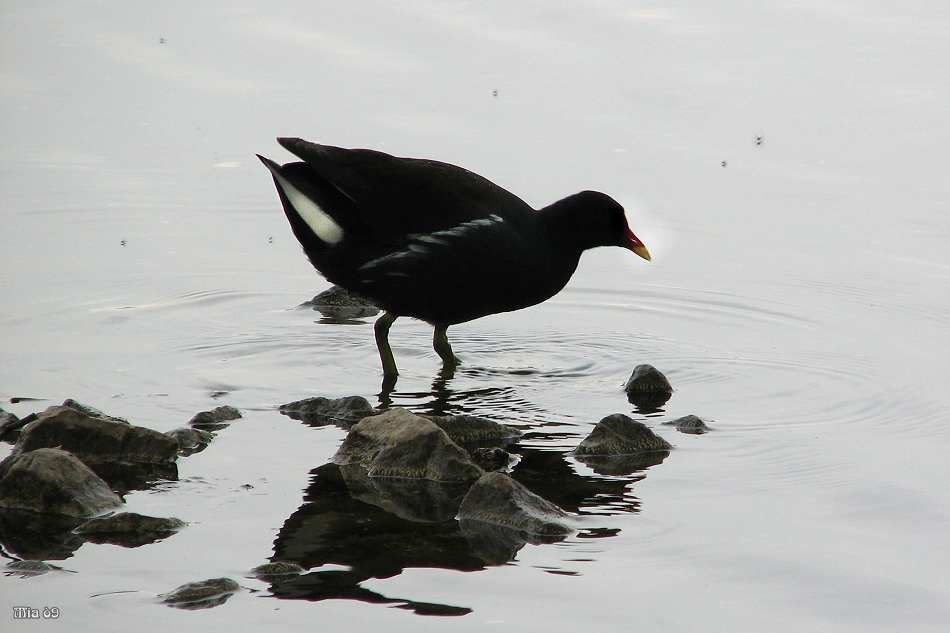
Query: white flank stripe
{"x": 315, "y": 217}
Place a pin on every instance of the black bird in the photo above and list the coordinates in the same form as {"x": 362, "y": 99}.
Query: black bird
{"x": 433, "y": 241}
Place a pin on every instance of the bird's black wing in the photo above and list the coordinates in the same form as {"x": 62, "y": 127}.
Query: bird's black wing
{"x": 400, "y": 196}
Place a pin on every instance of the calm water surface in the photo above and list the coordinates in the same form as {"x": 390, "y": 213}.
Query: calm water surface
{"x": 788, "y": 167}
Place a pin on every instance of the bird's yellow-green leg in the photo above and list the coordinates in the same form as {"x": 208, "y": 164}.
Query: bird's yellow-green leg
{"x": 440, "y": 342}
{"x": 382, "y": 326}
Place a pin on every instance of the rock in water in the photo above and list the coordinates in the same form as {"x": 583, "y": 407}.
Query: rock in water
{"x": 617, "y": 434}
{"x": 691, "y": 424}
{"x": 96, "y": 438}
{"x": 129, "y": 522}
{"x": 647, "y": 388}
{"x": 464, "y": 429}
{"x": 619, "y": 446}
{"x": 201, "y": 595}
{"x": 647, "y": 378}
{"x": 319, "y": 411}
{"x": 53, "y": 481}
{"x": 216, "y": 419}
{"x": 499, "y": 499}
{"x": 397, "y": 443}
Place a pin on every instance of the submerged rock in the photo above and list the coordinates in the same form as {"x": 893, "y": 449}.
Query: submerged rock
{"x": 690, "y": 424}
{"x": 647, "y": 388}
{"x": 129, "y": 529}
{"x": 397, "y": 443}
{"x": 499, "y": 499}
{"x": 53, "y": 481}
{"x": 216, "y": 419}
{"x": 201, "y": 595}
{"x": 320, "y": 411}
{"x": 94, "y": 437}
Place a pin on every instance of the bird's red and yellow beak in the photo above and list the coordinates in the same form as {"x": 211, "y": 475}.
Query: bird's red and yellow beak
{"x": 633, "y": 242}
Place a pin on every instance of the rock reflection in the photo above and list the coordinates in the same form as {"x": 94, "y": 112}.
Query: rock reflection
{"x": 336, "y": 527}
{"x": 622, "y": 464}
{"x": 420, "y": 500}
{"x": 498, "y": 544}
{"x": 376, "y": 527}
{"x": 549, "y": 475}
{"x": 35, "y": 536}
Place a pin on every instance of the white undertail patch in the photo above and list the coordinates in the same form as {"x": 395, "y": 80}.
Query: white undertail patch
{"x": 316, "y": 218}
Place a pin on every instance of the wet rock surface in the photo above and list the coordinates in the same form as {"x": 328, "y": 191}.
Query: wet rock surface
{"x": 10, "y": 426}
{"x": 201, "y": 595}
{"x": 94, "y": 437}
{"x": 320, "y": 411}
{"x": 647, "y": 388}
{"x": 216, "y": 419}
{"x": 397, "y": 443}
{"x": 690, "y": 424}
{"x": 497, "y": 498}
{"x": 277, "y": 570}
{"x": 618, "y": 445}
{"x": 618, "y": 434}
{"x": 470, "y": 429}
{"x": 489, "y": 459}
{"x": 190, "y": 440}
{"x": 54, "y": 481}
{"x": 339, "y": 305}
{"x": 29, "y": 568}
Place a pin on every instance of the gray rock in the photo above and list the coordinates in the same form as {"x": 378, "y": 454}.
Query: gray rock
{"x": 201, "y": 595}
{"x": 647, "y": 388}
{"x": 277, "y": 570}
{"x": 617, "y": 434}
{"x": 92, "y": 412}
{"x": 10, "y": 426}
{"x": 499, "y": 499}
{"x": 190, "y": 440}
{"x": 53, "y": 481}
{"x": 489, "y": 459}
{"x": 690, "y": 424}
{"x": 96, "y": 438}
{"x": 647, "y": 378}
{"x": 339, "y": 305}
{"x": 397, "y": 443}
{"x": 464, "y": 429}
{"x": 29, "y": 568}
{"x": 215, "y": 419}
{"x": 320, "y": 411}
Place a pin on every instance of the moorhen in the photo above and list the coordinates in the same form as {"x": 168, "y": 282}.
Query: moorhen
{"x": 429, "y": 240}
